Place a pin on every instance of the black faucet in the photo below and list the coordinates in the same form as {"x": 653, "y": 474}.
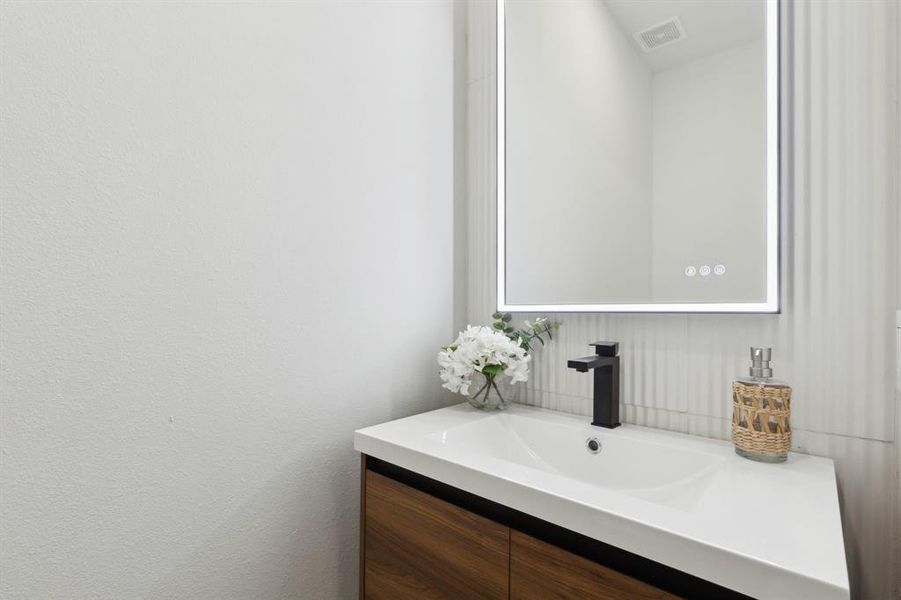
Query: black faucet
{"x": 606, "y": 382}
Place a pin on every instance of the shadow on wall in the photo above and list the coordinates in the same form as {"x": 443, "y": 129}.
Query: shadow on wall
{"x": 295, "y": 538}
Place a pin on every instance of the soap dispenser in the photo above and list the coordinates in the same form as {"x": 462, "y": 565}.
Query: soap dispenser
{"x": 761, "y": 412}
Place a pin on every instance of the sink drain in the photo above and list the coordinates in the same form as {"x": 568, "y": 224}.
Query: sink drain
{"x": 593, "y": 445}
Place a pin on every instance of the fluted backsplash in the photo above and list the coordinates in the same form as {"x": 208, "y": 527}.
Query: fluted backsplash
{"x": 834, "y": 341}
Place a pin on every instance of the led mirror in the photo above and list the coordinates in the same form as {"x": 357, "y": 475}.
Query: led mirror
{"x": 638, "y": 155}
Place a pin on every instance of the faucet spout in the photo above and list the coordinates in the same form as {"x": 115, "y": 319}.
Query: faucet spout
{"x": 586, "y": 363}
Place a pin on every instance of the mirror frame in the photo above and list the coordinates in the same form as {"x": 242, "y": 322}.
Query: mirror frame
{"x": 773, "y": 174}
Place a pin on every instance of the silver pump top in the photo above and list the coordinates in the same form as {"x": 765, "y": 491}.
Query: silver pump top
{"x": 760, "y": 363}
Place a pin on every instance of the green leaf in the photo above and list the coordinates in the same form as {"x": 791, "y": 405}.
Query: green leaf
{"x": 506, "y": 317}
{"x": 493, "y": 370}
{"x": 497, "y": 315}
{"x": 499, "y": 326}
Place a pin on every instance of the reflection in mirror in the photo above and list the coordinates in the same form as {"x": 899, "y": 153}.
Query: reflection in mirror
{"x": 638, "y": 166}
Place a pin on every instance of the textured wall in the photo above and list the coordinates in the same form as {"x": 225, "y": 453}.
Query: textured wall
{"x": 205, "y": 212}
{"x": 834, "y": 340}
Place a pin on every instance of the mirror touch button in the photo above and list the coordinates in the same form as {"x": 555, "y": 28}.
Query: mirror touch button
{"x": 705, "y": 270}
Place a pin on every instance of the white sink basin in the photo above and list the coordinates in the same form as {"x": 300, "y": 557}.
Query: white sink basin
{"x": 768, "y": 531}
{"x": 651, "y": 469}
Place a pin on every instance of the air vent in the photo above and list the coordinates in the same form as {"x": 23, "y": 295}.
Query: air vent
{"x": 660, "y": 35}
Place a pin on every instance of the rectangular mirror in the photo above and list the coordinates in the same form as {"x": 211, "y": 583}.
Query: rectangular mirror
{"x": 638, "y": 155}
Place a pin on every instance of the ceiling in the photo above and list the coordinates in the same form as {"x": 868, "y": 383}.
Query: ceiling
{"x": 711, "y": 26}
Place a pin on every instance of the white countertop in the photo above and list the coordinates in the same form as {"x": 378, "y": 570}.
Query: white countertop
{"x": 766, "y": 530}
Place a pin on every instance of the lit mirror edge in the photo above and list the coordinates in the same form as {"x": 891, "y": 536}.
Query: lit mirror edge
{"x": 771, "y": 305}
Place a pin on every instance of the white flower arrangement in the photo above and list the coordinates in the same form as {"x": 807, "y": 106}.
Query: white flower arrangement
{"x": 485, "y": 350}
{"x": 487, "y": 353}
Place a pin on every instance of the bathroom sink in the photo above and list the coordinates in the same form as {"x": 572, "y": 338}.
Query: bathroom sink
{"x": 622, "y": 459}
{"x": 766, "y": 530}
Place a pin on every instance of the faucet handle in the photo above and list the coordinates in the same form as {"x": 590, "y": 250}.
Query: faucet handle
{"x": 606, "y": 348}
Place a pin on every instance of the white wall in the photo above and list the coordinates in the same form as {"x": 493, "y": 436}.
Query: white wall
{"x": 709, "y": 173}
{"x": 578, "y": 156}
{"x": 835, "y": 337}
{"x": 226, "y": 243}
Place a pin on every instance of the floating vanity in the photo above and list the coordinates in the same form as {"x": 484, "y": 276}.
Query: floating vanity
{"x": 529, "y": 503}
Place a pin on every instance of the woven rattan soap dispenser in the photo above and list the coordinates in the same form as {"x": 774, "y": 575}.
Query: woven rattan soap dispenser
{"x": 761, "y": 412}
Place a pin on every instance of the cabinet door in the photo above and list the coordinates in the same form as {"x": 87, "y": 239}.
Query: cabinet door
{"x": 419, "y": 547}
{"x": 540, "y": 571}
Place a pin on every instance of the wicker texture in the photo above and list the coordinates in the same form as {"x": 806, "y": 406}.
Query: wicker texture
{"x": 761, "y": 419}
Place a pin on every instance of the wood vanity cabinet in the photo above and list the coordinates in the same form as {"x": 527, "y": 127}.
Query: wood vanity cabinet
{"x": 539, "y": 570}
{"x": 415, "y": 545}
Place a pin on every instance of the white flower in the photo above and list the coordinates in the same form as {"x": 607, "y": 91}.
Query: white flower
{"x": 477, "y": 348}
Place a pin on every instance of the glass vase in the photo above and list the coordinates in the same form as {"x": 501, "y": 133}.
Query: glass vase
{"x": 491, "y": 393}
